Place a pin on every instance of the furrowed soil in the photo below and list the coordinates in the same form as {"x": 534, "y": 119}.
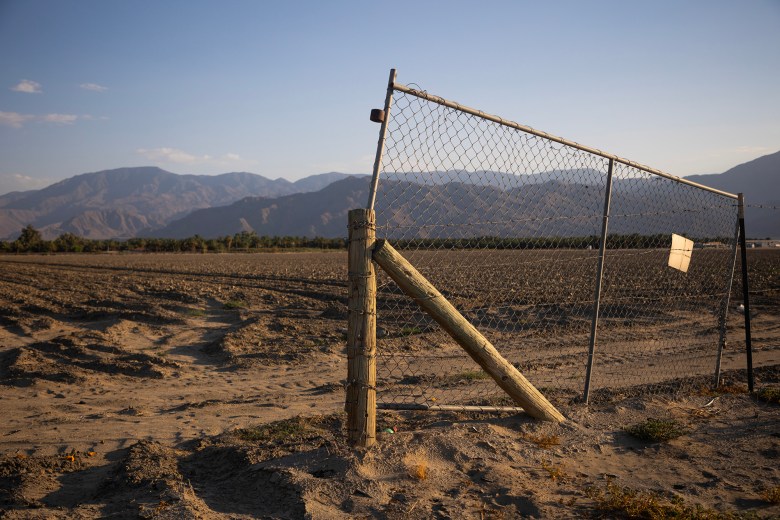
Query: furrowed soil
{"x": 212, "y": 386}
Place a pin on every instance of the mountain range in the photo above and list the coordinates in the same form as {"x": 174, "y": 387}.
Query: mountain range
{"x": 129, "y": 202}
{"x": 759, "y": 181}
{"x": 151, "y": 202}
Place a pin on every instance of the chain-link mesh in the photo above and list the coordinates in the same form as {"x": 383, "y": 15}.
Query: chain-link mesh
{"x": 506, "y": 224}
{"x": 659, "y": 325}
{"x": 763, "y": 272}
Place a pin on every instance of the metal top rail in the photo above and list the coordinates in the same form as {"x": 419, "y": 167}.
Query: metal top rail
{"x": 511, "y": 124}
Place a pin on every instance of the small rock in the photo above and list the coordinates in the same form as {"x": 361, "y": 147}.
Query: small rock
{"x": 400, "y": 497}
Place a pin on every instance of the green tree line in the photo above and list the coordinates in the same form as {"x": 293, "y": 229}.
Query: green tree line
{"x": 627, "y": 241}
{"x": 31, "y": 241}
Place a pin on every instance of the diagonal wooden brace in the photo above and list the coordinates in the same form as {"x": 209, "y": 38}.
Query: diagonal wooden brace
{"x": 473, "y": 342}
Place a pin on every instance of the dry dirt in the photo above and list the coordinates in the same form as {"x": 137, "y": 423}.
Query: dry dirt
{"x": 211, "y": 386}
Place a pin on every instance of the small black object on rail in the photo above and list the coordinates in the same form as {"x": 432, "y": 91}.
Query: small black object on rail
{"x": 377, "y": 115}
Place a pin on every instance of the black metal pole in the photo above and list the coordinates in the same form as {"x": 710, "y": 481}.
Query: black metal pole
{"x": 745, "y": 291}
{"x": 594, "y": 324}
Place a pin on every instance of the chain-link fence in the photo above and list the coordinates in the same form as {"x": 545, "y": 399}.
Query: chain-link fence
{"x": 763, "y": 274}
{"x": 507, "y": 222}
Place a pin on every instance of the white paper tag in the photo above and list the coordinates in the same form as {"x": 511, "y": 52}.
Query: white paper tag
{"x": 680, "y": 254}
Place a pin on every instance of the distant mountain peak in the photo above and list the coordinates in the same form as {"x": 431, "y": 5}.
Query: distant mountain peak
{"x": 147, "y": 200}
{"x": 121, "y": 202}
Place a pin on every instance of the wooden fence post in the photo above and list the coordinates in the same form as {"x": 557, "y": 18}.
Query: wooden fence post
{"x": 473, "y": 342}
{"x": 361, "y": 331}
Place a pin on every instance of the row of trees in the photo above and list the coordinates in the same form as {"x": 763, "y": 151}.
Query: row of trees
{"x": 628, "y": 241}
{"x": 31, "y": 241}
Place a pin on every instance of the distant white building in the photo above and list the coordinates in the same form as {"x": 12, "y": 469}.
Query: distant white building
{"x": 762, "y": 243}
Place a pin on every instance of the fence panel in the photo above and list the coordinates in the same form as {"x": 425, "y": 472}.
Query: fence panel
{"x": 506, "y": 224}
{"x": 659, "y": 325}
{"x": 763, "y": 262}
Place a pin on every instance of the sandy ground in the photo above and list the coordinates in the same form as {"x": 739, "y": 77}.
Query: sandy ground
{"x": 191, "y": 386}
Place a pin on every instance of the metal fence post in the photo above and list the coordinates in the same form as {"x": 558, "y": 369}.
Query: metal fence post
{"x": 599, "y": 275}
{"x": 724, "y": 311}
{"x": 745, "y": 290}
{"x": 380, "y": 146}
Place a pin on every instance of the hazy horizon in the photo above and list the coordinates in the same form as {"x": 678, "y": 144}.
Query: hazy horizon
{"x": 274, "y": 177}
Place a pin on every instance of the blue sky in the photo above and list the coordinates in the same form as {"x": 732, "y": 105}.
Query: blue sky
{"x": 284, "y": 88}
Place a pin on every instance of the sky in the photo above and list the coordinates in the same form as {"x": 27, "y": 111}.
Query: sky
{"x": 284, "y": 88}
